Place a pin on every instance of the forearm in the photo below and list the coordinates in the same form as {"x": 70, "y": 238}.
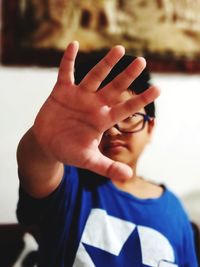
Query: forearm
{"x": 40, "y": 173}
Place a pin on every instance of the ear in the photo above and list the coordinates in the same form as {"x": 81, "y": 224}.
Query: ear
{"x": 150, "y": 125}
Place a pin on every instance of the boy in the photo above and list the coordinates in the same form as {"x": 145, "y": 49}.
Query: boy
{"x": 86, "y": 219}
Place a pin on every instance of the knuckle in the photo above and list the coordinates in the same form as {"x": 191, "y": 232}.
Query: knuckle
{"x": 107, "y": 63}
{"x": 116, "y": 83}
{"x": 110, "y": 169}
{"x": 83, "y": 86}
{"x": 130, "y": 105}
{"x": 96, "y": 76}
{"x": 66, "y": 57}
{"x": 128, "y": 73}
{"x": 144, "y": 99}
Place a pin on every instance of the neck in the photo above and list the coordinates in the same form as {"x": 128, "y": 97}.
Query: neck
{"x": 139, "y": 187}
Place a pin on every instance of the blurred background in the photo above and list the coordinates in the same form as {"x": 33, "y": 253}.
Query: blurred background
{"x": 34, "y": 35}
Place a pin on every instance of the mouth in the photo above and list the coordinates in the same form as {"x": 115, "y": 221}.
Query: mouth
{"x": 116, "y": 145}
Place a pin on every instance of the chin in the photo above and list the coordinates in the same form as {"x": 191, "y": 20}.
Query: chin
{"x": 118, "y": 157}
{"x": 122, "y": 157}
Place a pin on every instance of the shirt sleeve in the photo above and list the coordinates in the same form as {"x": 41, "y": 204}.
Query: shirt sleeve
{"x": 189, "y": 247}
{"x": 33, "y": 211}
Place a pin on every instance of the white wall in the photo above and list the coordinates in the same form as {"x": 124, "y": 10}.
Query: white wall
{"x": 174, "y": 154}
{"x": 172, "y": 158}
{"x": 22, "y": 91}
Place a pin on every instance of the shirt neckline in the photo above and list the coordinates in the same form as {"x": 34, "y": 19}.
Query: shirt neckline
{"x": 137, "y": 199}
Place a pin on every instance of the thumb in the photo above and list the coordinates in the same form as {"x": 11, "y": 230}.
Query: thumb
{"x": 109, "y": 168}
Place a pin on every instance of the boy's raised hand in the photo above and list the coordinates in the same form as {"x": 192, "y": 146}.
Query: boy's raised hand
{"x": 70, "y": 124}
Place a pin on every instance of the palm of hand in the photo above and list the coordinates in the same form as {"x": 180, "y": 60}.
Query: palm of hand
{"x": 72, "y": 120}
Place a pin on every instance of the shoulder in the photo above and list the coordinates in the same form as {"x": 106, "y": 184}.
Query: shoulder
{"x": 173, "y": 204}
{"x": 176, "y": 206}
{"x": 173, "y": 198}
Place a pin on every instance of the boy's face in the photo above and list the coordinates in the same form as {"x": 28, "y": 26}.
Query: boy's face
{"x": 125, "y": 147}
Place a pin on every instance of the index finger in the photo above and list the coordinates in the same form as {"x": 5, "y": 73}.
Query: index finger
{"x": 66, "y": 70}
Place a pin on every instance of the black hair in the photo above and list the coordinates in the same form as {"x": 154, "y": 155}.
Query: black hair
{"x": 139, "y": 85}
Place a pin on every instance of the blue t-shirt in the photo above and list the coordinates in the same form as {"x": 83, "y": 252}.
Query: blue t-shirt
{"x": 87, "y": 221}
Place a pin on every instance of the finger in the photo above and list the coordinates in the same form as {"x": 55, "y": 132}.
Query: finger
{"x": 108, "y": 168}
{"x": 112, "y": 91}
{"x": 66, "y": 70}
{"x": 123, "y": 110}
{"x": 98, "y": 73}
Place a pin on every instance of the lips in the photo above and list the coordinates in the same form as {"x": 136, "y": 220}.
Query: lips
{"x": 114, "y": 144}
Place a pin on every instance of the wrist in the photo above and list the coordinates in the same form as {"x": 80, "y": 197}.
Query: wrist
{"x": 39, "y": 146}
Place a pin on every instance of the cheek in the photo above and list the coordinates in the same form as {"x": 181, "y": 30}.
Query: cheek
{"x": 137, "y": 143}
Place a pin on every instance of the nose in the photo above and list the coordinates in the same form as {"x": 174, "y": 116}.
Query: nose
{"x": 113, "y": 131}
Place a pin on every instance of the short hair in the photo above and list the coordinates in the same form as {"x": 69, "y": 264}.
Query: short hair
{"x": 139, "y": 85}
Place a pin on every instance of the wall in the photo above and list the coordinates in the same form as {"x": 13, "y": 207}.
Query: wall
{"x": 172, "y": 157}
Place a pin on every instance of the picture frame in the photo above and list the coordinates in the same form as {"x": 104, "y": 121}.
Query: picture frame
{"x": 16, "y": 28}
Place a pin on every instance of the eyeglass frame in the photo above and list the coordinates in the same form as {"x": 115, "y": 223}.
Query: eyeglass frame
{"x": 146, "y": 118}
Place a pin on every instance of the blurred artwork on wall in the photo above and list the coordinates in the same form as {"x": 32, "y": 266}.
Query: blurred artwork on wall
{"x": 166, "y": 32}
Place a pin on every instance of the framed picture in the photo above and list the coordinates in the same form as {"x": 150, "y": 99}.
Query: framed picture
{"x": 165, "y": 32}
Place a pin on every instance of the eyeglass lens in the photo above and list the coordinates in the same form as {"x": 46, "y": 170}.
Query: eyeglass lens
{"x": 133, "y": 123}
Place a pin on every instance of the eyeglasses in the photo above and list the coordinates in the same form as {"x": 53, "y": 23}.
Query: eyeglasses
{"x": 133, "y": 124}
